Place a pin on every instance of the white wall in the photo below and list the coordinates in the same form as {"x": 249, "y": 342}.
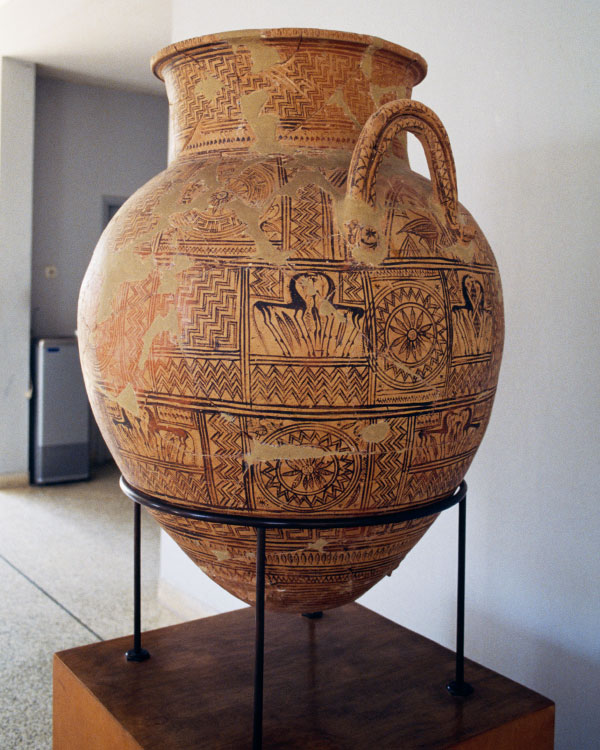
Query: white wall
{"x": 17, "y": 104}
{"x": 517, "y": 87}
{"x": 90, "y": 142}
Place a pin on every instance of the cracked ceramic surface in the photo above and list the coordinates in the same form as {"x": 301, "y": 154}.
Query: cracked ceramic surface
{"x": 288, "y": 320}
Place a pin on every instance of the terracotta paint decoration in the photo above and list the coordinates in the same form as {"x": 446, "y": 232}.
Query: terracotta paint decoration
{"x": 288, "y": 320}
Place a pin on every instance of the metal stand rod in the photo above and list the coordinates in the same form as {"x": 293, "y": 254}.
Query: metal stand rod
{"x": 458, "y": 686}
{"x": 259, "y": 653}
{"x": 137, "y": 653}
{"x": 460, "y": 596}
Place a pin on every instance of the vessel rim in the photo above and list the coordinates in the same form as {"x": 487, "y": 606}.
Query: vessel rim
{"x": 158, "y": 60}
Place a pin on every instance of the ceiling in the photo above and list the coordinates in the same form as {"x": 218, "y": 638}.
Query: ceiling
{"x": 107, "y": 42}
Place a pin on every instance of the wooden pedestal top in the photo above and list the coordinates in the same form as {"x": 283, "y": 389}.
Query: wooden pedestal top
{"x": 352, "y": 679}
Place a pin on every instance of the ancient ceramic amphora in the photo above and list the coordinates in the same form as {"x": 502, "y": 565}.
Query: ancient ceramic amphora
{"x": 288, "y": 321}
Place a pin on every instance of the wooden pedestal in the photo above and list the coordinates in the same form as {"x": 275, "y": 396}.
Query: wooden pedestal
{"x": 352, "y": 679}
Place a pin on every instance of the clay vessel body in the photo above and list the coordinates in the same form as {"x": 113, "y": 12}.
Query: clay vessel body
{"x": 288, "y": 321}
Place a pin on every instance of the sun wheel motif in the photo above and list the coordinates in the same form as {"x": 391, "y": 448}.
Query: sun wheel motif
{"x": 412, "y": 335}
{"x": 323, "y": 477}
{"x": 308, "y": 476}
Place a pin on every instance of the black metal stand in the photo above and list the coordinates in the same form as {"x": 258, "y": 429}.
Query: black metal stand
{"x": 259, "y": 650}
{"x": 137, "y": 653}
{"x": 457, "y": 687}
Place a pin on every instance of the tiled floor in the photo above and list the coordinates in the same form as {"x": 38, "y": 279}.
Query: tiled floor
{"x": 65, "y": 580}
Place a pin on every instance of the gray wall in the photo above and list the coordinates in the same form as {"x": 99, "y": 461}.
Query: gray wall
{"x": 17, "y": 88}
{"x": 90, "y": 142}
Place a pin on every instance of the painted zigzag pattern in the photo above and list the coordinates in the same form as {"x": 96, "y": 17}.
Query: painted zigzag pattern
{"x": 189, "y": 488}
{"x": 225, "y": 445}
{"x": 266, "y": 283}
{"x": 218, "y": 380}
{"x": 323, "y": 75}
{"x": 468, "y": 379}
{"x": 309, "y": 386}
{"x": 311, "y": 215}
{"x": 208, "y": 305}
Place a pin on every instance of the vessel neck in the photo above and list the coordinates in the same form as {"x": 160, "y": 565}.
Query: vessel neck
{"x": 281, "y": 90}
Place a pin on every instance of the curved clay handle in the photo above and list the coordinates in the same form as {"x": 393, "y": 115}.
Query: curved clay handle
{"x": 380, "y": 128}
